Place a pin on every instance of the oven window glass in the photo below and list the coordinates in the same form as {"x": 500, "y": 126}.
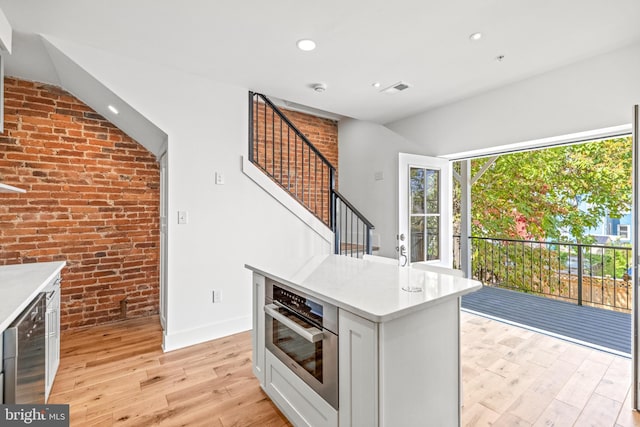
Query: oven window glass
{"x": 307, "y": 355}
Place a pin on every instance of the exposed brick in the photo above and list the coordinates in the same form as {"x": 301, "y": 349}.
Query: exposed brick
{"x": 92, "y": 200}
{"x": 284, "y": 157}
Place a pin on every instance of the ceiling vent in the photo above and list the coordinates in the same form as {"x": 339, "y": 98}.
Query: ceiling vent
{"x": 396, "y": 87}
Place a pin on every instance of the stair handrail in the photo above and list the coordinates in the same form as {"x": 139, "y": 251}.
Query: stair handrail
{"x": 334, "y": 195}
{"x": 355, "y": 211}
{"x": 288, "y": 122}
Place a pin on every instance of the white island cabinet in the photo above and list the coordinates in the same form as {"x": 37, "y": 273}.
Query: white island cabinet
{"x": 398, "y": 351}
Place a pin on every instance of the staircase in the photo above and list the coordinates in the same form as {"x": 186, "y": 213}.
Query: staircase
{"x": 287, "y": 156}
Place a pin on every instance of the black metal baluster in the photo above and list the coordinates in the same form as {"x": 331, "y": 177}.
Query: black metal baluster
{"x": 626, "y": 270}
{"x": 265, "y": 136}
{"x": 591, "y": 276}
{"x": 357, "y": 236}
{"x": 322, "y": 192}
{"x": 273, "y": 146}
{"x": 351, "y": 234}
{"x": 315, "y": 184}
{"x": 309, "y": 180}
{"x": 485, "y": 270}
{"x": 251, "y": 126}
{"x": 288, "y": 159}
{"x": 304, "y": 185}
{"x": 615, "y": 283}
{"x": 580, "y": 284}
{"x": 295, "y": 141}
{"x": 602, "y": 263}
{"x": 281, "y": 183}
{"x": 523, "y": 262}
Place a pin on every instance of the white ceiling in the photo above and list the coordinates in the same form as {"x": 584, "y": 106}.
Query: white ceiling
{"x": 251, "y": 43}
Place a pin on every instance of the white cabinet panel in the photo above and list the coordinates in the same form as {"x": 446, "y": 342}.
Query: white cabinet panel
{"x": 419, "y": 368}
{"x": 52, "y": 334}
{"x": 358, "y": 343}
{"x": 257, "y": 334}
{"x": 302, "y": 406}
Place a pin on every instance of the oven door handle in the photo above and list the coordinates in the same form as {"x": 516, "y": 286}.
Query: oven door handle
{"x": 311, "y": 334}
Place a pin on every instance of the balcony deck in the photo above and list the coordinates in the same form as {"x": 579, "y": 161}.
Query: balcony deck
{"x": 599, "y": 328}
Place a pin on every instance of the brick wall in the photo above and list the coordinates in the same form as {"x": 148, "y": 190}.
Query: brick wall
{"x": 323, "y": 133}
{"x": 293, "y": 165}
{"x": 92, "y": 200}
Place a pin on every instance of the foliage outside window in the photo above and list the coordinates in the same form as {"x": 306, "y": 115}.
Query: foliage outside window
{"x": 424, "y": 214}
{"x": 553, "y": 195}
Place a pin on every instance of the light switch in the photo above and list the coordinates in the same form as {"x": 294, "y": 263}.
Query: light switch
{"x": 183, "y": 217}
{"x": 219, "y": 179}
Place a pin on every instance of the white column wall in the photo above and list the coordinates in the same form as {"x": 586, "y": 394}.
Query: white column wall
{"x": 228, "y": 225}
{"x": 367, "y": 148}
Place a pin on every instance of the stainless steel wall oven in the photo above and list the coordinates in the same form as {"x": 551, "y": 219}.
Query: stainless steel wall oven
{"x": 301, "y": 331}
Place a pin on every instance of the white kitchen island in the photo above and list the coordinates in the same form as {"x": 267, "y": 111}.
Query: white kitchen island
{"x": 399, "y": 351}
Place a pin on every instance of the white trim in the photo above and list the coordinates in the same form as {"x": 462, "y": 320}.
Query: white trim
{"x": 205, "y": 333}
{"x": 551, "y": 334}
{"x": 572, "y": 138}
{"x": 285, "y": 199}
{"x": 405, "y": 162}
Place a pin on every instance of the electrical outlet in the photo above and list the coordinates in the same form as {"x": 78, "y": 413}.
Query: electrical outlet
{"x": 217, "y": 296}
{"x": 219, "y": 178}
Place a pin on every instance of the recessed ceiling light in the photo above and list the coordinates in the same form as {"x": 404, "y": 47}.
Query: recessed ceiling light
{"x": 306, "y": 45}
{"x": 113, "y": 109}
{"x": 375, "y": 84}
{"x": 475, "y": 36}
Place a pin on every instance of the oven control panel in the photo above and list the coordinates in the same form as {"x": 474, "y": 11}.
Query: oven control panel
{"x": 301, "y": 305}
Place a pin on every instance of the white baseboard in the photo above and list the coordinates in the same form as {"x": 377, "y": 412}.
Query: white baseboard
{"x": 201, "y": 334}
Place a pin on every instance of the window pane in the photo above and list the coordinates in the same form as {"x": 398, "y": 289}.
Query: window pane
{"x": 416, "y": 187}
{"x": 433, "y": 237}
{"x": 417, "y": 239}
{"x": 432, "y": 191}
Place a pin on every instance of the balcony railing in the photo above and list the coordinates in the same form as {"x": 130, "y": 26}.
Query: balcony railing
{"x": 594, "y": 275}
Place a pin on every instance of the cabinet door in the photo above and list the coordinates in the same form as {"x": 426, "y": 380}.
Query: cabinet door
{"x": 257, "y": 334}
{"x": 358, "y": 343}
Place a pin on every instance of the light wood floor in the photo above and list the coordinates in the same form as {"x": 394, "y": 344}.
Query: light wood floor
{"x": 117, "y": 375}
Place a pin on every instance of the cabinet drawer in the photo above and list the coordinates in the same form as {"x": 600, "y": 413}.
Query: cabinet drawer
{"x": 298, "y": 401}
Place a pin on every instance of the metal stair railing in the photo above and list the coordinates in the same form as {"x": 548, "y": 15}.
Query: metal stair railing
{"x": 286, "y": 155}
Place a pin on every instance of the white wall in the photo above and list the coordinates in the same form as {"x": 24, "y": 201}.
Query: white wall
{"x": 366, "y": 148}
{"x": 592, "y": 94}
{"x": 229, "y": 225}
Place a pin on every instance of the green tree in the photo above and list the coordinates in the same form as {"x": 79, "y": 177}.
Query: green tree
{"x": 539, "y": 191}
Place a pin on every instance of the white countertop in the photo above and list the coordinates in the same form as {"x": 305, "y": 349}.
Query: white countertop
{"x": 20, "y": 284}
{"x": 371, "y": 289}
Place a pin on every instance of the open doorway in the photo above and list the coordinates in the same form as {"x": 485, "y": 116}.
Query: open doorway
{"x": 551, "y": 239}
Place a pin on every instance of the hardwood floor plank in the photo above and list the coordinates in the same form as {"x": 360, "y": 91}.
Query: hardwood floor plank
{"x": 477, "y": 415}
{"x": 627, "y": 416}
{"x": 558, "y": 414}
{"x": 599, "y": 411}
{"x": 117, "y": 374}
{"x": 619, "y": 373}
{"x": 577, "y": 391}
